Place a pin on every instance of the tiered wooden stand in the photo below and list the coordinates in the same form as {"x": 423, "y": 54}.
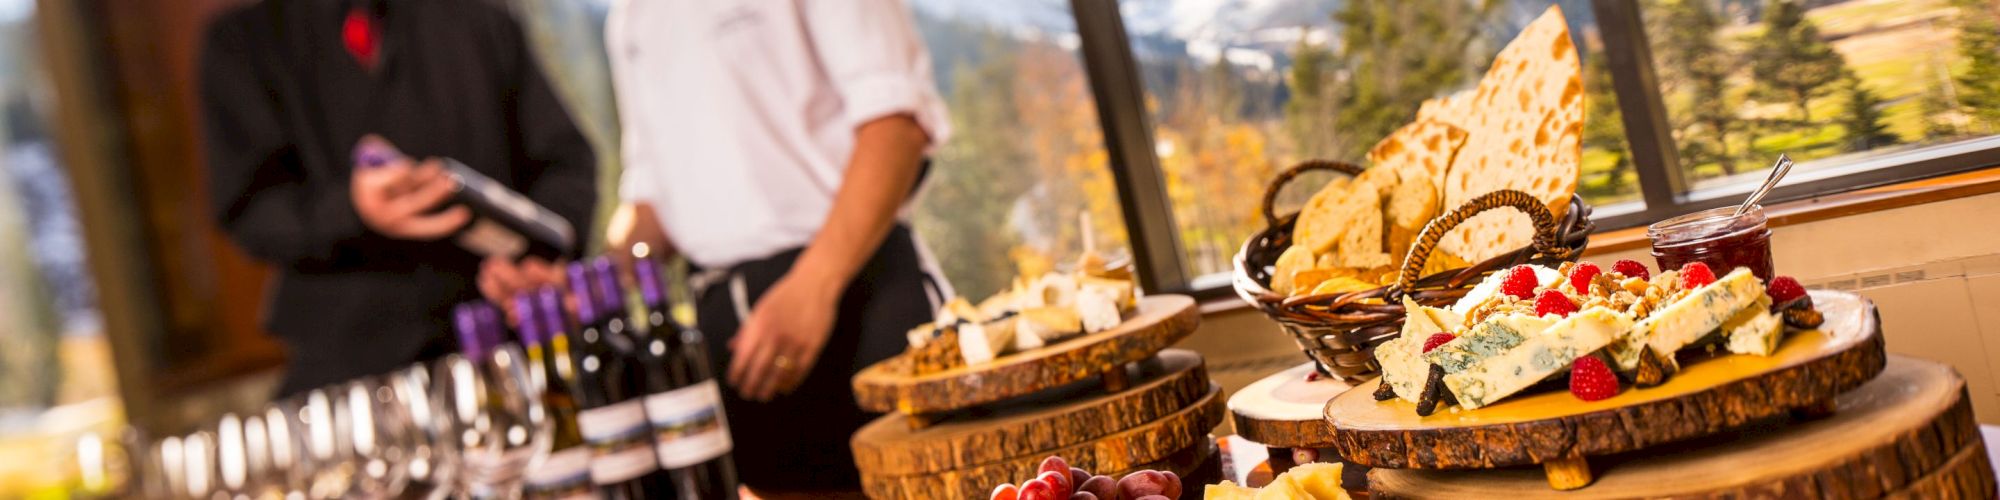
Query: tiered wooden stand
{"x": 1909, "y": 433}
{"x": 1286, "y": 412}
{"x": 1109, "y": 402}
{"x": 1573, "y": 440}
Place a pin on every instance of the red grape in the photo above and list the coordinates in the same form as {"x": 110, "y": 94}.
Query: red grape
{"x": 1076, "y": 478}
{"x": 1155, "y": 497}
{"x": 1053, "y": 463}
{"x": 1142, "y": 483}
{"x": 1037, "y": 489}
{"x": 1006, "y": 491}
{"x": 1058, "y": 481}
{"x": 1082, "y": 495}
{"x": 1173, "y": 484}
{"x": 1104, "y": 487}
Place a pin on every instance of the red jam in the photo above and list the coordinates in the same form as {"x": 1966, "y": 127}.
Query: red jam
{"x": 1715, "y": 237}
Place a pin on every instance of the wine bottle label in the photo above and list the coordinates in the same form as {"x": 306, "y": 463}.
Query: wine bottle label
{"x": 564, "y": 475}
{"x": 688, "y": 425}
{"x": 490, "y": 239}
{"x": 618, "y": 442}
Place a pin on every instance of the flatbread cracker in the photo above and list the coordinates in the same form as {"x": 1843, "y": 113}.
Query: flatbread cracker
{"x": 1295, "y": 259}
{"x": 1420, "y": 154}
{"x": 1361, "y": 226}
{"x": 1320, "y": 222}
{"x": 1524, "y": 126}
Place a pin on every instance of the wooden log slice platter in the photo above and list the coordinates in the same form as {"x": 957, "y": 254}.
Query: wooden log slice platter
{"x": 1053, "y": 419}
{"x": 1557, "y": 430}
{"x": 1909, "y": 433}
{"x": 1148, "y": 443}
{"x": 1285, "y": 410}
{"x": 1158, "y": 322}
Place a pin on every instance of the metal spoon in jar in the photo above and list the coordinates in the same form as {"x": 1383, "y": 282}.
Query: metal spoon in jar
{"x": 1778, "y": 171}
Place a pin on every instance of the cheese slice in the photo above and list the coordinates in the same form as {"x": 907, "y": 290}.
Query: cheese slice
{"x": 1403, "y": 367}
{"x": 1489, "y": 338}
{"x": 922, "y": 334}
{"x": 979, "y": 343}
{"x": 1757, "y": 334}
{"x": 1538, "y": 356}
{"x": 1701, "y": 311}
{"x": 1048, "y": 323}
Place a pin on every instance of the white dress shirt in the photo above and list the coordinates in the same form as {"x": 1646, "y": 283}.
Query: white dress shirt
{"x": 739, "y": 115}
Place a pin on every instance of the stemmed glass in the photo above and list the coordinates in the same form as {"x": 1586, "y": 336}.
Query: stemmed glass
{"x": 495, "y": 410}
{"x": 432, "y": 457}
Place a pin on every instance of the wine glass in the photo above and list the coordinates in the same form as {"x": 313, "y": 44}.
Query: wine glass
{"x": 378, "y": 432}
{"x": 289, "y": 474}
{"x": 198, "y": 464}
{"x": 232, "y": 457}
{"x": 431, "y": 456}
{"x": 497, "y": 418}
{"x": 323, "y": 426}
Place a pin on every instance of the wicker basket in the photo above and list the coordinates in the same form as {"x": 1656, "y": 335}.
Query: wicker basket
{"x": 1339, "y": 331}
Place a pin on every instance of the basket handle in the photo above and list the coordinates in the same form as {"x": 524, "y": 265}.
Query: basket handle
{"x": 1547, "y": 237}
{"x": 1285, "y": 178}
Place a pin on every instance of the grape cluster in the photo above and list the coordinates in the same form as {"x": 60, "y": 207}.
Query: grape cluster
{"x": 1056, "y": 480}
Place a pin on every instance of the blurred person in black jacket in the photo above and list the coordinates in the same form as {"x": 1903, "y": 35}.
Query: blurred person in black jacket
{"x": 367, "y": 268}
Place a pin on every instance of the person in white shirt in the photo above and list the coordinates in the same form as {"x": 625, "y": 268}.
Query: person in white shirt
{"x": 775, "y": 144}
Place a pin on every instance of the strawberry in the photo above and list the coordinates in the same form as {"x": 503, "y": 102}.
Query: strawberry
{"x": 1783, "y": 289}
{"x": 1520, "y": 282}
{"x": 1553, "y": 302}
{"x": 1591, "y": 380}
{"x": 1695, "y": 275}
{"x": 1579, "y": 277}
{"x": 1631, "y": 269}
{"x": 1437, "y": 339}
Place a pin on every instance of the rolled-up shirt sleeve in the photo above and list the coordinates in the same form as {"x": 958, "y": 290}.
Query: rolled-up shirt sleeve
{"x": 879, "y": 65}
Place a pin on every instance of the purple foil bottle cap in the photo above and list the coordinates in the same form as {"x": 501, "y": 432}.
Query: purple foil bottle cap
{"x": 374, "y": 151}
{"x": 549, "y": 301}
{"x": 652, "y": 288}
{"x": 610, "y": 299}
{"x": 530, "y": 320}
{"x": 491, "y": 329}
{"x": 579, "y": 287}
{"x": 467, "y": 321}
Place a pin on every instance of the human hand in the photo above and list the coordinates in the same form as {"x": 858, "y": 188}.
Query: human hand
{"x": 780, "y": 342}
{"x": 396, "y": 197}
{"x": 631, "y": 225}
{"x": 501, "y": 279}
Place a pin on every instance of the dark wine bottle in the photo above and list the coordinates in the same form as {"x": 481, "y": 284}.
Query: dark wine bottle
{"x": 611, "y": 418}
{"x": 564, "y": 474}
{"x": 638, "y": 362}
{"x": 508, "y": 224}
{"x": 683, "y": 400}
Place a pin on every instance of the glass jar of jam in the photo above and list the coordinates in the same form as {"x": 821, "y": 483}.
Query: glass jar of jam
{"x": 1716, "y": 237}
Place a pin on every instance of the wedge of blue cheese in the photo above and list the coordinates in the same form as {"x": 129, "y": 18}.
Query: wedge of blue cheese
{"x": 1700, "y": 312}
{"x": 1493, "y": 337}
{"x": 1537, "y": 356}
{"x": 1754, "y": 331}
{"x": 1403, "y": 366}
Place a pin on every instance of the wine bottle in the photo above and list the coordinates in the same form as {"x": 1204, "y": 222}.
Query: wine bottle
{"x": 639, "y": 363}
{"x": 492, "y": 459}
{"x": 508, "y": 223}
{"x": 684, "y": 403}
{"x": 611, "y": 418}
{"x": 564, "y": 473}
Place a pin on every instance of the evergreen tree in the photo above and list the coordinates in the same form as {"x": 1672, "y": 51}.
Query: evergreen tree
{"x": 1937, "y": 105}
{"x": 1790, "y": 60}
{"x": 1309, "y": 111}
{"x": 1862, "y": 122}
{"x": 1603, "y": 128}
{"x": 1392, "y": 56}
{"x": 1696, "y": 64}
{"x": 1979, "y": 43}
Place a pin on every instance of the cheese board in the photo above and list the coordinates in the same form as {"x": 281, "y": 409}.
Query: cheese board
{"x": 1283, "y": 410}
{"x": 1909, "y": 433}
{"x": 1053, "y": 419}
{"x": 1157, "y": 321}
{"x": 1710, "y": 394}
{"x": 1147, "y": 445}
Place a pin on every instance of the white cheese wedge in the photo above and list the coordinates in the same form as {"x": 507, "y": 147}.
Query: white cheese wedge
{"x": 999, "y": 304}
{"x": 1048, "y": 323}
{"x": 1757, "y": 335}
{"x": 958, "y": 310}
{"x": 1493, "y": 337}
{"x": 1543, "y": 276}
{"x": 1539, "y": 355}
{"x": 1024, "y": 337}
{"x": 921, "y": 335}
{"x": 1051, "y": 290}
{"x": 1403, "y": 367}
{"x": 980, "y": 343}
{"x": 1702, "y": 311}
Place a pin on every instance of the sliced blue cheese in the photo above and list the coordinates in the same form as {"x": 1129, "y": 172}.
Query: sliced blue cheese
{"x": 1403, "y": 366}
{"x": 1702, "y": 311}
{"x": 1491, "y": 285}
{"x": 1537, "y": 356}
{"x": 1755, "y": 331}
{"x": 1496, "y": 335}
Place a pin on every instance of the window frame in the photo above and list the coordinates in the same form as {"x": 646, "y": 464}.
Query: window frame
{"x": 1119, "y": 95}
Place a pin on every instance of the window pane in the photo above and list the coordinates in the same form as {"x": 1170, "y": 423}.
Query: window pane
{"x": 1026, "y": 159}
{"x": 1239, "y": 92}
{"x": 1838, "y": 86}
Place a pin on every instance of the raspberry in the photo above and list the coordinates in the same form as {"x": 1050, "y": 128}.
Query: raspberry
{"x": 1631, "y": 269}
{"x": 1591, "y": 380}
{"x": 1520, "y": 282}
{"x": 1783, "y": 289}
{"x": 1553, "y": 302}
{"x": 1579, "y": 278}
{"x": 1695, "y": 275}
{"x": 1437, "y": 339}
